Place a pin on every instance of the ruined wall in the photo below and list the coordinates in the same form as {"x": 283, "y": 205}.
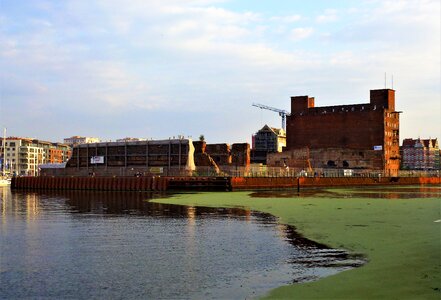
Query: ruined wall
{"x": 220, "y": 153}
{"x": 240, "y": 154}
{"x": 324, "y": 158}
{"x": 297, "y": 158}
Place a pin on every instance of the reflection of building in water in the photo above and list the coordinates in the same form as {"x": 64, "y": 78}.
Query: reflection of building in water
{"x": 420, "y": 154}
{"x": 191, "y": 215}
{"x": 4, "y": 202}
{"x": 32, "y": 206}
{"x": 282, "y": 231}
{"x": 27, "y": 205}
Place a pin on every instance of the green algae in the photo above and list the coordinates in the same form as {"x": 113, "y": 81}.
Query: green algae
{"x": 399, "y": 238}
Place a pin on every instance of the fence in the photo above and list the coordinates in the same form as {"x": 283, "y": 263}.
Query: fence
{"x": 264, "y": 171}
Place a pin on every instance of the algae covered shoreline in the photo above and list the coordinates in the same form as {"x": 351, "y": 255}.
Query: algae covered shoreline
{"x": 394, "y": 228}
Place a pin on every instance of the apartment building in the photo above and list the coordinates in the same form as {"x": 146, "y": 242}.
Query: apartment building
{"x": 22, "y": 156}
{"x": 267, "y": 140}
{"x": 420, "y": 154}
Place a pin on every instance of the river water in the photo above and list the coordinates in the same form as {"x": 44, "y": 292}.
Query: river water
{"x": 89, "y": 245}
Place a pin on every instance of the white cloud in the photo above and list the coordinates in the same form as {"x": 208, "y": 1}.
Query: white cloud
{"x": 330, "y": 15}
{"x": 147, "y": 55}
{"x": 301, "y": 33}
{"x": 287, "y": 19}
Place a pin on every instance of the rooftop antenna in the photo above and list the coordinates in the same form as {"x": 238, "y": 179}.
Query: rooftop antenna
{"x": 392, "y": 81}
{"x": 384, "y": 79}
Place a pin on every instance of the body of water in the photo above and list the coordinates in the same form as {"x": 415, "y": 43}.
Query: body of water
{"x": 89, "y": 245}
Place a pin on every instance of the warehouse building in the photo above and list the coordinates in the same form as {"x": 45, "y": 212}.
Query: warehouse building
{"x": 356, "y": 136}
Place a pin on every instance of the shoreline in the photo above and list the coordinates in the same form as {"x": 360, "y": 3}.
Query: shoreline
{"x": 399, "y": 238}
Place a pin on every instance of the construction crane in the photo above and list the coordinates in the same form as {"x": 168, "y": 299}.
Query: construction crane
{"x": 282, "y": 113}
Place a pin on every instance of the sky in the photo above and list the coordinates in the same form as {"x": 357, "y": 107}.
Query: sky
{"x": 165, "y": 68}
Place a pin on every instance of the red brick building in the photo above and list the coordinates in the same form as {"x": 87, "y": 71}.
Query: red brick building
{"x": 355, "y": 136}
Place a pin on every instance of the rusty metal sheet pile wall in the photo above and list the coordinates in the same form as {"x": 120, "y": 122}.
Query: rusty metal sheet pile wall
{"x": 92, "y": 183}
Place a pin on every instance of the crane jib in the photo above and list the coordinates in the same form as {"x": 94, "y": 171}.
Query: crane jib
{"x": 282, "y": 113}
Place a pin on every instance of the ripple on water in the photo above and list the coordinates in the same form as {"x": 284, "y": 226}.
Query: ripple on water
{"x": 83, "y": 244}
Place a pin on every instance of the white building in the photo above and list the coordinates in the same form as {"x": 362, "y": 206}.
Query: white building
{"x": 78, "y": 140}
{"x": 130, "y": 139}
{"x": 23, "y": 156}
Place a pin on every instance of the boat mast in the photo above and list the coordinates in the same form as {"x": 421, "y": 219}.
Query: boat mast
{"x": 3, "y": 150}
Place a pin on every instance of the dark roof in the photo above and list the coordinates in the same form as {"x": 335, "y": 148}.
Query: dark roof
{"x": 426, "y": 142}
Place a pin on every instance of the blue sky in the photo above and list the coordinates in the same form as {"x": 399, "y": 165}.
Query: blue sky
{"x": 163, "y": 68}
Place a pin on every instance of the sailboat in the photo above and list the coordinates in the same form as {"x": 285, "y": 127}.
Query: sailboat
{"x": 4, "y": 180}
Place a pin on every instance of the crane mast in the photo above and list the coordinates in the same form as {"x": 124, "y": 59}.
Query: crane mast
{"x": 283, "y": 113}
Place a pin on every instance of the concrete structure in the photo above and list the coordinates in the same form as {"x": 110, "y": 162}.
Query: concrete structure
{"x": 349, "y": 136}
{"x": 163, "y": 157}
{"x": 267, "y": 140}
{"x": 24, "y": 155}
{"x": 420, "y": 154}
{"x": 173, "y": 157}
{"x": 78, "y": 140}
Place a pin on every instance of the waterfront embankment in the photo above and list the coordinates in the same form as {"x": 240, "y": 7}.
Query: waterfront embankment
{"x": 189, "y": 183}
{"x": 396, "y": 229}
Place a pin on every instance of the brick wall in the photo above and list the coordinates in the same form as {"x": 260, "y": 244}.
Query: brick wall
{"x": 356, "y": 127}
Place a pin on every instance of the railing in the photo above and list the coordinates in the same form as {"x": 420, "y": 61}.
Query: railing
{"x": 233, "y": 171}
{"x": 291, "y": 172}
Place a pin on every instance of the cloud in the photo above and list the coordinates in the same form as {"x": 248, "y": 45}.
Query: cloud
{"x": 330, "y": 15}
{"x": 286, "y": 19}
{"x": 158, "y": 58}
{"x": 301, "y": 33}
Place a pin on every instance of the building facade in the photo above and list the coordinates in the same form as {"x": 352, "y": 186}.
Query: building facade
{"x": 160, "y": 157}
{"x": 267, "y": 140}
{"x": 352, "y": 136}
{"x": 78, "y": 140}
{"x": 22, "y": 156}
{"x": 420, "y": 154}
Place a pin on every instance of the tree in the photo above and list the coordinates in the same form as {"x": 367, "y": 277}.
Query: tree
{"x": 202, "y": 138}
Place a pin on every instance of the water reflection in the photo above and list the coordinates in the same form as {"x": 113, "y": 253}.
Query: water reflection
{"x": 85, "y": 244}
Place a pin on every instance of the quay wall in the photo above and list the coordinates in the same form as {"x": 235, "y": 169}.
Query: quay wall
{"x": 249, "y": 183}
{"x": 157, "y": 183}
{"x": 92, "y": 183}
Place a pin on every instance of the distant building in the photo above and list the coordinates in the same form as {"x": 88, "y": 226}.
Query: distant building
{"x": 420, "y": 154}
{"x": 267, "y": 140}
{"x": 23, "y": 156}
{"x": 130, "y": 139}
{"x": 78, "y": 140}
